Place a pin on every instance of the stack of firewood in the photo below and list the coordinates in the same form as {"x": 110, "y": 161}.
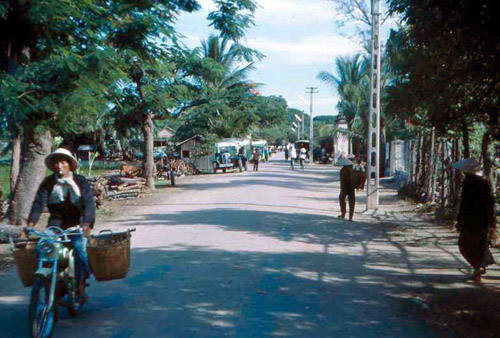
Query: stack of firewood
{"x": 99, "y": 188}
{"x": 123, "y": 188}
{"x": 179, "y": 166}
{"x": 112, "y": 186}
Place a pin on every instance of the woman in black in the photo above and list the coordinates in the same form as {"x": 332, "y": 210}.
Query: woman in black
{"x": 476, "y": 217}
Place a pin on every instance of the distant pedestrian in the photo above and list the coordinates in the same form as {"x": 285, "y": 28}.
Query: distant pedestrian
{"x": 346, "y": 188}
{"x": 324, "y": 155}
{"x": 243, "y": 158}
{"x": 302, "y": 156}
{"x": 293, "y": 155}
{"x": 256, "y": 158}
{"x": 476, "y": 217}
{"x": 286, "y": 154}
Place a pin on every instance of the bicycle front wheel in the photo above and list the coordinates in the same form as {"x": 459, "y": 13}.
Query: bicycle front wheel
{"x": 42, "y": 318}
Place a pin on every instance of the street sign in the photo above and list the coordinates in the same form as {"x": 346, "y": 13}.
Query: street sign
{"x": 298, "y": 117}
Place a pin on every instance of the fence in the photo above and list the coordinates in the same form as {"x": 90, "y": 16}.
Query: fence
{"x": 425, "y": 163}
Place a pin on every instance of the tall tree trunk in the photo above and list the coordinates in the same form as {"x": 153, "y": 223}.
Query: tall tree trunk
{"x": 424, "y": 166}
{"x": 430, "y": 168}
{"x": 487, "y": 165}
{"x": 444, "y": 149}
{"x": 148, "y": 165}
{"x": 411, "y": 160}
{"x": 16, "y": 160}
{"x": 457, "y": 178}
{"x": 36, "y": 148}
{"x": 147, "y": 130}
{"x": 485, "y": 154}
{"x": 417, "y": 158}
{"x": 466, "y": 142}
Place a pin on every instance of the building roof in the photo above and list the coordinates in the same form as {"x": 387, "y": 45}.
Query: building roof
{"x": 197, "y": 136}
{"x": 166, "y": 132}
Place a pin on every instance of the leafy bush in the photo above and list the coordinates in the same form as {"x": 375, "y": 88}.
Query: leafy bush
{"x": 410, "y": 191}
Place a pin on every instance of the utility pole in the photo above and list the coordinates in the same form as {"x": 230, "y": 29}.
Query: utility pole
{"x": 312, "y": 91}
{"x": 373, "y": 148}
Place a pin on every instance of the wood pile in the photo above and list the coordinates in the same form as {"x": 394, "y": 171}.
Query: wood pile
{"x": 114, "y": 187}
{"x": 181, "y": 167}
{"x": 130, "y": 170}
{"x": 126, "y": 185}
{"x": 7, "y": 231}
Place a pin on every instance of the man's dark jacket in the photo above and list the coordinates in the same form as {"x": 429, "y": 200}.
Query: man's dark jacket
{"x": 64, "y": 214}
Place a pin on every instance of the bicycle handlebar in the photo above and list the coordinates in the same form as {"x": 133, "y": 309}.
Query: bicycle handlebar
{"x": 73, "y": 231}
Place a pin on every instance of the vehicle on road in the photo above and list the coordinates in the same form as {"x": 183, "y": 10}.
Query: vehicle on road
{"x": 226, "y": 156}
{"x": 263, "y": 147}
{"x": 302, "y": 158}
{"x": 55, "y": 281}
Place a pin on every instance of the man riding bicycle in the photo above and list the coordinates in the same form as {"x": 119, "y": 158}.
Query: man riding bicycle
{"x": 70, "y": 201}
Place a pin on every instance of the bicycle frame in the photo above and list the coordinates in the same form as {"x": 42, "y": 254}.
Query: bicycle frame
{"x": 53, "y": 253}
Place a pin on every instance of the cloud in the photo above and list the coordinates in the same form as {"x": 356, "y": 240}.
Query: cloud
{"x": 306, "y": 50}
{"x": 294, "y": 11}
{"x": 207, "y": 5}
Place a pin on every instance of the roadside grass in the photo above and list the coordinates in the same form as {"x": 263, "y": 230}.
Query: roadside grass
{"x": 5, "y": 180}
{"x": 97, "y": 169}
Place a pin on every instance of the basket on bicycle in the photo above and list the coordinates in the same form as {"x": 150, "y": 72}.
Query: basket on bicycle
{"x": 109, "y": 255}
{"x": 25, "y": 256}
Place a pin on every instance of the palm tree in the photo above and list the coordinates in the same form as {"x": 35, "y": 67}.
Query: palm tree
{"x": 352, "y": 85}
{"x": 227, "y": 57}
{"x": 223, "y": 87}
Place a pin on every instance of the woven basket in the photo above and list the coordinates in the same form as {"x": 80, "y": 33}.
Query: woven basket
{"x": 109, "y": 255}
{"x": 26, "y": 261}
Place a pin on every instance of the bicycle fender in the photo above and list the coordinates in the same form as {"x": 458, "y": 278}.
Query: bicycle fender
{"x": 45, "y": 272}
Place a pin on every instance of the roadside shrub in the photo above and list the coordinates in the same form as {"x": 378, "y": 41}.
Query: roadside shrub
{"x": 409, "y": 191}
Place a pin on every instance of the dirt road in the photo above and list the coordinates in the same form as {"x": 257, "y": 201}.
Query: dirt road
{"x": 258, "y": 254}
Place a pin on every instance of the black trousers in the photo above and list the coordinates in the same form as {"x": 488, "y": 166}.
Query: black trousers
{"x": 352, "y": 202}
{"x": 255, "y": 165}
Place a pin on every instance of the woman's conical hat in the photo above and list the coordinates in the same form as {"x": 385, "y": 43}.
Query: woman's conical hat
{"x": 469, "y": 166}
{"x": 344, "y": 162}
{"x": 58, "y": 153}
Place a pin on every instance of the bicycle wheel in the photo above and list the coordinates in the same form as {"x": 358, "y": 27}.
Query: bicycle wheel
{"x": 41, "y": 318}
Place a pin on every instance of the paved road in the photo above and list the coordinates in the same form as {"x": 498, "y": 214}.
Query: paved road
{"x": 257, "y": 254}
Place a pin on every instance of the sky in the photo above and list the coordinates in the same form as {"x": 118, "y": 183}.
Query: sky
{"x": 299, "y": 38}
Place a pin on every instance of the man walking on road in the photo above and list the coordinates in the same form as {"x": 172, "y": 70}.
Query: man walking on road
{"x": 293, "y": 155}
{"x": 346, "y": 188}
{"x": 256, "y": 158}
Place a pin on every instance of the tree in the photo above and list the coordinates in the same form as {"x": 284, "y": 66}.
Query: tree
{"x": 274, "y": 119}
{"x": 359, "y": 12}
{"x": 223, "y": 99}
{"x": 445, "y": 59}
{"x": 352, "y": 85}
{"x": 52, "y": 79}
{"x": 146, "y": 40}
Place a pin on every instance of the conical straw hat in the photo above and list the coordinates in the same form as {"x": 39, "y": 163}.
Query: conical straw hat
{"x": 344, "y": 162}
{"x": 61, "y": 152}
{"x": 469, "y": 166}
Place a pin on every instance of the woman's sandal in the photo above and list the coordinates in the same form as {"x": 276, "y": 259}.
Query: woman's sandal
{"x": 476, "y": 275}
